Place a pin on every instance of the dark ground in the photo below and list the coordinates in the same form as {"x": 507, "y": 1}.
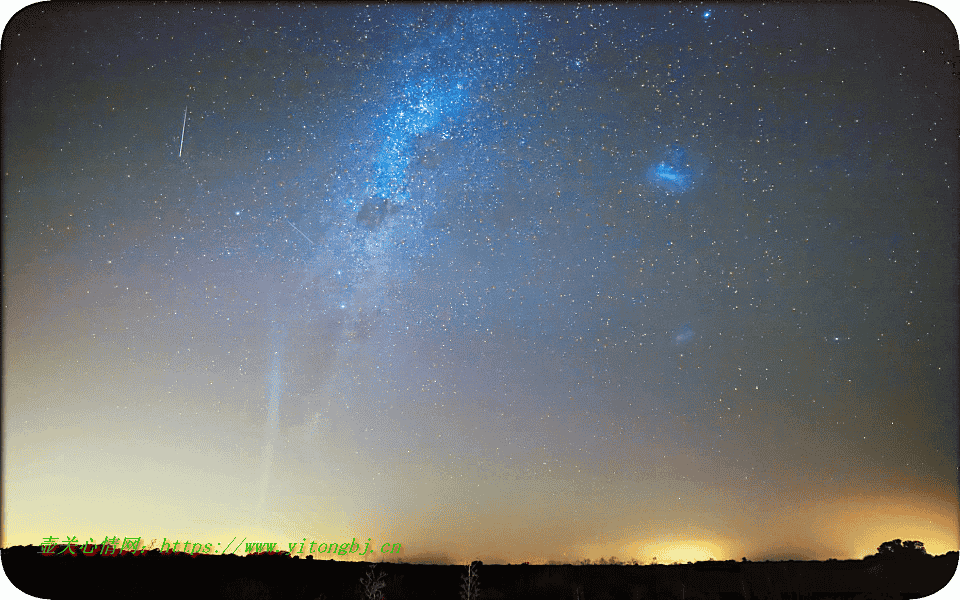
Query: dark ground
{"x": 152, "y": 574}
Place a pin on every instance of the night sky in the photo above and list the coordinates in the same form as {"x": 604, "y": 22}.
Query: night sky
{"x": 509, "y": 283}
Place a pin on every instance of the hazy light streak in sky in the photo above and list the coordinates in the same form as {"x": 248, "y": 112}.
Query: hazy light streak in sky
{"x": 272, "y": 424}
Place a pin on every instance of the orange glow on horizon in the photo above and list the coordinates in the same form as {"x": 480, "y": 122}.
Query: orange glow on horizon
{"x": 682, "y": 551}
{"x": 872, "y": 521}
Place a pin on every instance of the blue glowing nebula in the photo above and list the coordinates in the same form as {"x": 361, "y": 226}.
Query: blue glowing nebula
{"x": 682, "y": 335}
{"x": 673, "y": 175}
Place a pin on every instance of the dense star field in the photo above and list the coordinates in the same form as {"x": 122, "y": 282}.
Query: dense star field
{"x": 510, "y": 283}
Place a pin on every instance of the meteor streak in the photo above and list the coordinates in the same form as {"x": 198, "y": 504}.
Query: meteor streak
{"x": 184, "y": 130}
{"x": 301, "y": 233}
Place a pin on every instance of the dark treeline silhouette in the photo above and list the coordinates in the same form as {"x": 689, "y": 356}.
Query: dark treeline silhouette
{"x": 895, "y": 549}
{"x": 899, "y": 570}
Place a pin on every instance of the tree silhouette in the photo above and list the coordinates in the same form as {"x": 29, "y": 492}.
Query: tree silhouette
{"x": 897, "y": 549}
{"x": 916, "y": 547}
